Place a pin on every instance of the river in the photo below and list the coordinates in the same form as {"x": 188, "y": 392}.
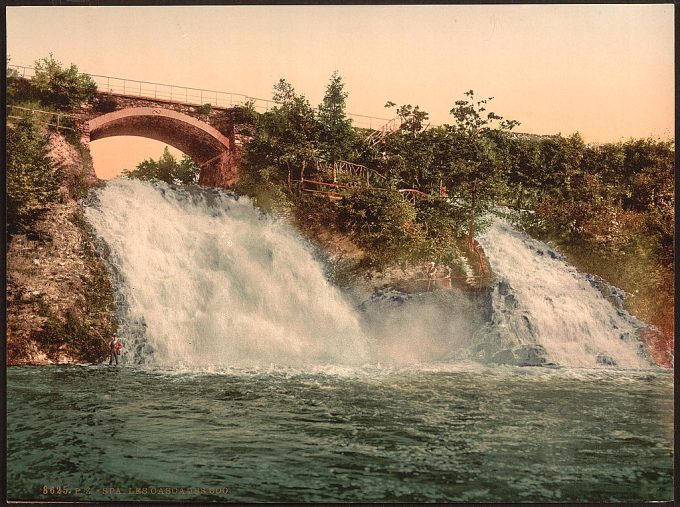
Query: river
{"x": 439, "y": 433}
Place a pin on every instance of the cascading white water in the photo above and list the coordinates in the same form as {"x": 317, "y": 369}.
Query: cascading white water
{"x": 217, "y": 283}
{"x": 204, "y": 280}
{"x": 540, "y": 300}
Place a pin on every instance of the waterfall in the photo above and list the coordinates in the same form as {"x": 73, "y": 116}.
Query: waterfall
{"x": 204, "y": 280}
{"x": 545, "y": 311}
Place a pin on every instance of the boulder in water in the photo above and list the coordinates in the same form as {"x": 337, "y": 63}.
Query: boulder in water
{"x": 530, "y": 355}
{"x": 503, "y": 357}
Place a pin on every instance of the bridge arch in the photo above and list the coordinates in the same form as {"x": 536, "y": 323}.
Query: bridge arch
{"x": 206, "y": 145}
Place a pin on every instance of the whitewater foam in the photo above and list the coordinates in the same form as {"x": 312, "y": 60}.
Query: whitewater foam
{"x": 208, "y": 280}
{"x": 541, "y": 304}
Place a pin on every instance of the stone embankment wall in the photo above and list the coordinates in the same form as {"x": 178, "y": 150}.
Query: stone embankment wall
{"x": 59, "y": 299}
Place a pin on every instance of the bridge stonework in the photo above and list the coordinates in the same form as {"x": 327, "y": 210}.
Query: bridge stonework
{"x": 212, "y": 138}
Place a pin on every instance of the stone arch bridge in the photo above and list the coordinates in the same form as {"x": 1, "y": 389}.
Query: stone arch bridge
{"x": 212, "y": 137}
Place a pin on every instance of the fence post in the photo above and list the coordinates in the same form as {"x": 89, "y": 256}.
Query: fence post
{"x": 123, "y": 86}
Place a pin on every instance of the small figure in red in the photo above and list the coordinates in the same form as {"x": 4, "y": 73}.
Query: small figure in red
{"x": 114, "y": 348}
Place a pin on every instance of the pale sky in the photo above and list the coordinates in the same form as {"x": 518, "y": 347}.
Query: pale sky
{"x": 606, "y": 71}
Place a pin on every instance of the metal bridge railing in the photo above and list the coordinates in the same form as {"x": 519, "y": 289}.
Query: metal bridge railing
{"x": 45, "y": 117}
{"x": 194, "y": 96}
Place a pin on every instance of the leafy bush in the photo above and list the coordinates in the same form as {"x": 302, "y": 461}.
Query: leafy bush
{"x": 13, "y": 84}
{"x": 167, "y": 169}
{"x": 442, "y": 224}
{"x": 205, "y": 109}
{"x": 31, "y": 183}
{"x": 382, "y": 223}
{"x": 106, "y": 104}
{"x": 63, "y": 88}
{"x": 245, "y": 114}
{"x": 267, "y": 189}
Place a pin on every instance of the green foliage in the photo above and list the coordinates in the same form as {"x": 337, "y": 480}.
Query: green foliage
{"x": 106, "y": 103}
{"x": 336, "y": 135}
{"x": 286, "y": 136}
{"x": 62, "y": 88}
{"x": 13, "y": 83}
{"x": 471, "y": 120}
{"x": 607, "y": 193}
{"x": 205, "y": 109}
{"x": 31, "y": 183}
{"x": 77, "y": 183}
{"x": 467, "y": 157}
{"x": 442, "y": 224}
{"x": 245, "y": 114}
{"x": 407, "y": 154}
{"x": 267, "y": 189}
{"x": 475, "y": 162}
{"x": 648, "y": 171}
{"x": 167, "y": 169}
{"x": 381, "y": 222}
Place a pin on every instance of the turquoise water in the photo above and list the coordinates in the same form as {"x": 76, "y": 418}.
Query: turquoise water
{"x": 432, "y": 433}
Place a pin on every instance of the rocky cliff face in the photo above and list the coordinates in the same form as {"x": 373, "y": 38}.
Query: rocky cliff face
{"x": 59, "y": 298}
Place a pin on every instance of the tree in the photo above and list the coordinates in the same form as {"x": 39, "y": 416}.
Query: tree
{"x": 408, "y": 153}
{"x": 166, "y": 169}
{"x": 523, "y": 159}
{"x": 476, "y": 167}
{"x": 336, "y": 134}
{"x": 648, "y": 167}
{"x": 442, "y": 224}
{"x": 31, "y": 183}
{"x": 12, "y": 83}
{"x": 381, "y": 222}
{"x": 284, "y": 92}
{"x": 285, "y": 138}
{"x": 63, "y": 88}
{"x": 187, "y": 172}
{"x": 561, "y": 162}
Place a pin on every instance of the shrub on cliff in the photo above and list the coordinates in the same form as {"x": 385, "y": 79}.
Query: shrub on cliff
{"x": 245, "y": 114}
{"x": 382, "y": 223}
{"x": 106, "y": 104}
{"x": 442, "y": 224}
{"x": 31, "y": 183}
{"x": 63, "y": 88}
